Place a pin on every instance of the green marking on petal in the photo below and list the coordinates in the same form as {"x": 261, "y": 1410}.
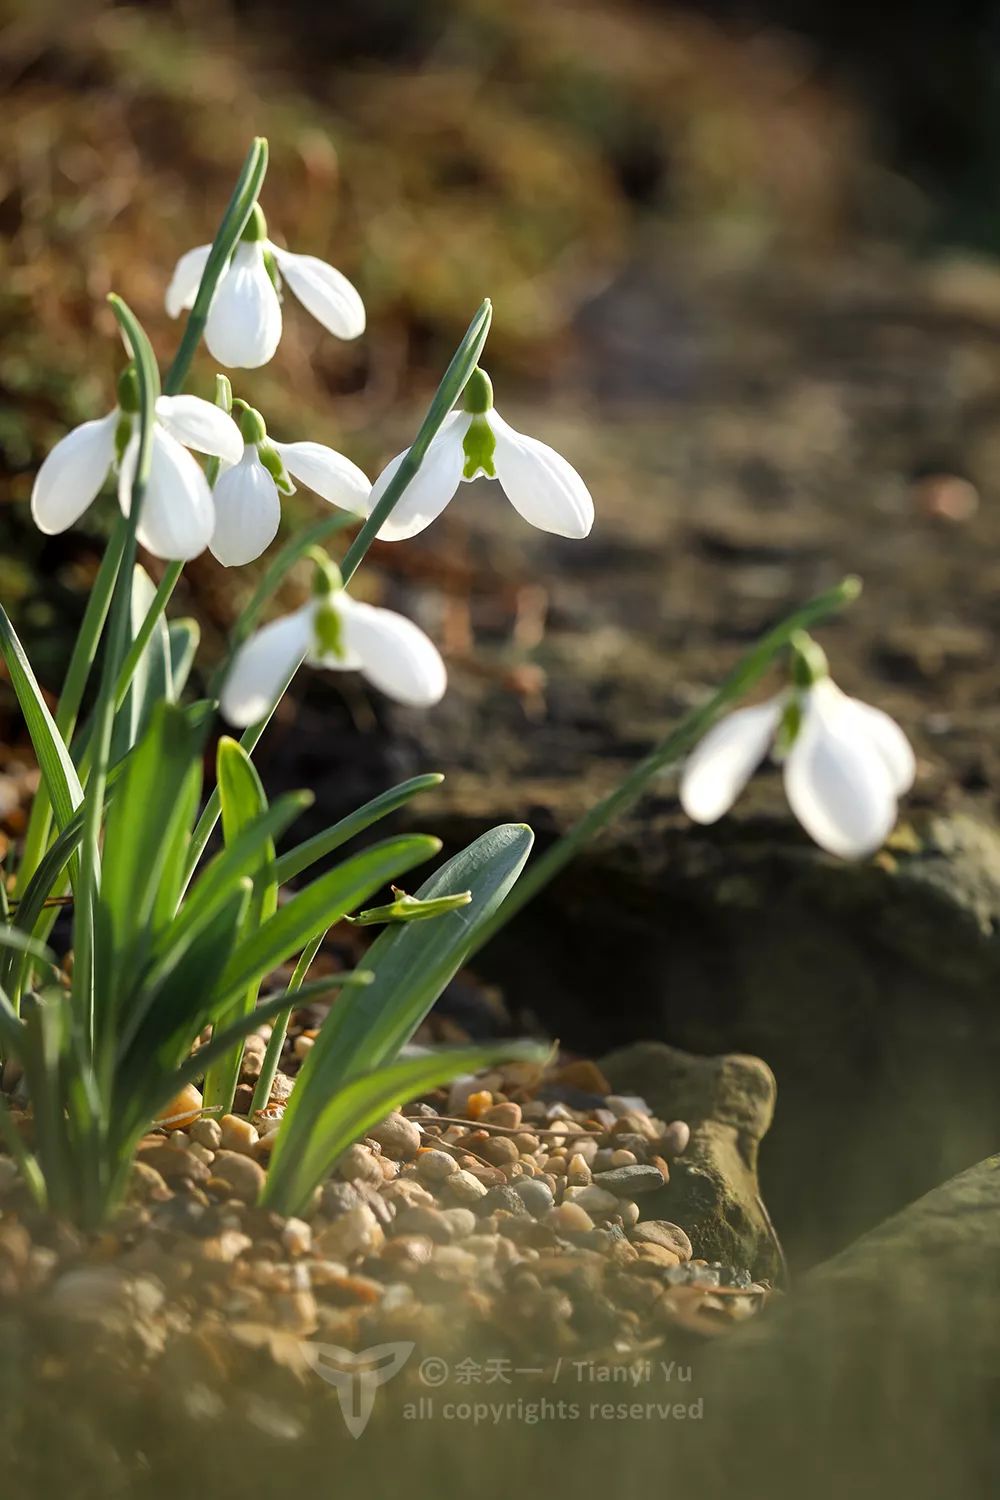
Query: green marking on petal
{"x": 788, "y": 729}
{"x": 128, "y": 390}
{"x": 328, "y": 631}
{"x": 271, "y": 459}
{"x": 479, "y": 447}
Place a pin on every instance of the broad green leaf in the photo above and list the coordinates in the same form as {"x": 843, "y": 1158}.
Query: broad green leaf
{"x": 412, "y": 965}
{"x": 152, "y": 680}
{"x": 147, "y": 819}
{"x": 243, "y": 802}
{"x": 296, "y": 860}
{"x": 58, "y": 772}
{"x": 240, "y": 857}
{"x": 321, "y": 904}
{"x": 293, "y": 1175}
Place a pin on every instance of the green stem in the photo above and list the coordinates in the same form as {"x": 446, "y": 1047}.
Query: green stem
{"x": 85, "y": 911}
{"x": 453, "y": 382}
{"x": 234, "y": 221}
{"x": 667, "y": 753}
{"x": 157, "y": 607}
{"x": 279, "y": 1030}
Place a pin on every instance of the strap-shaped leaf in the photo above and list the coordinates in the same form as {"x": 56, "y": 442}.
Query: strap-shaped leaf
{"x": 58, "y": 772}
{"x": 293, "y": 1175}
{"x": 321, "y": 904}
{"x": 412, "y": 965}
{"x": 303, "y": 855}
{"x": 243, "y": 802}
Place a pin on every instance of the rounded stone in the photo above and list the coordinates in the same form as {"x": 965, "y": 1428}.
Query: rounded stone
{"x": 662, "y": 1232}
{"x": 535, "y": 1194}
{"x": 626, "y": 1182}
{"x": 568, "y": 1218}
{"x": 399, "y": 1137}
{"x": 242, "y": 1175}
{"x": 435, "y": 1166}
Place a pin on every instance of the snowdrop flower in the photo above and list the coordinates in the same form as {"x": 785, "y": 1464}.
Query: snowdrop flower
{"x": 247, "y": 504}
{"x": 845, "y": 763}
{"x": 333, "y": 630}
{"x": 538, "y": 482}
{"x": 244, "y": 319}
{"x": 178, "y": 516}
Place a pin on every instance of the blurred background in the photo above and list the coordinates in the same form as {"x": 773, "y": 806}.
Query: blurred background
{"x": 743, "y": 258}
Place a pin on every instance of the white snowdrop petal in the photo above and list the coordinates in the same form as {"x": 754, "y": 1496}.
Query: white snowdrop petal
{"x": 434, "y": 484}
{"x": 722, "y": 764}
{"x": 887, "y": 739}
{"x": 185, "y": 281}
{"x": 539, "y": 483}
{"x": 323, "y": 291}
{"x": 395, "y": 655}
{"x": 262, "y": 665}
{"x": 244, "y": 321}
{"x": 200, "y": 425}
{"x": 837, "y": 784}
{"x": 177, "y": 517}
{"x": 328, "y": 474}
{"x": 247, "y": 512}
{"x": 71, "y": 476}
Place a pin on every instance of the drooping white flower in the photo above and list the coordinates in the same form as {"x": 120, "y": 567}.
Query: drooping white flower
{"x": 247, "y": 503}
{"x": 335, "y": 631}
{"x": 539, "y": 483}
{"x": 244, "y": 318}
{"x": 845, "y": 762}
{"x": 177, "y": 516}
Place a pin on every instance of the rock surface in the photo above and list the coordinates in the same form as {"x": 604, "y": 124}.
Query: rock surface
{"x": 713, "y": 1187}
{"x": 878, "y": 1375}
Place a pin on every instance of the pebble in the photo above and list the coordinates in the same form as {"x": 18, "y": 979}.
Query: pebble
{"x": 568, "y": 1218}
{"x": 536, "y": 1195}
{"x": 626, "y": 1181}
{"x": 359, "y": 1163}
{"x": 423, "y": 1220}
{"x": 460, "y": 1221}
{"x": 243, "y": 1176}
{"x": 477, "y": 1103}
{"x": 237, "y": 1134}
{"x": 355, "y": 1233}
{"x": 435, "y": 1166}
{"x": 175, "y": 1166}
{"x": 183, "y": 1109}
{"x": 578, "y": 1173}
{"x": 662, "y": 1232}
{"x": 464, "y": 1188}
{"x": 296, "y": 1236}
{"x": 627, "y": 1104}
{"x": 622, "y": 1158}
{"x": 146, "y": 1183}
{"x": 399, "y": 1137}
{"x": 206, "y": 1132}
{"x": 460, "y": 1092}
{"x": 302, "y": 1045}
{"x": 503, "y": 1199}
{"x": 507, "y": 1114}
{"x": 676, "y": 1138}
{"x": 594, "y": 1199}
{"x": 500, "y": 1151}
{"x": 658, "y": 1255}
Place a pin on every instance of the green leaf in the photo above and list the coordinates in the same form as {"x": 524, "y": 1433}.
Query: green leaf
{"x": 241, "y": 857}
{"x": 296, "y": 860}
{"x": 293, "y": 1176}
{"x": 58, "y": 772}
{"x": 184, "y": 637}
{"x": 151, "y": 676}
{"x": 243, "y": 802}
{"x": 321, "y": 904}
{"x": 147, "y": 820}
{"x": 412, "y": 965}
